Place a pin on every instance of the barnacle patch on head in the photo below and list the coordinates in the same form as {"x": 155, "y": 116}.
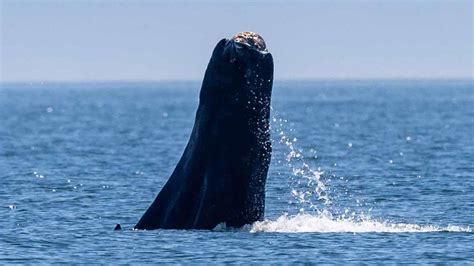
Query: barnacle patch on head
{"x": 251, "y": 39}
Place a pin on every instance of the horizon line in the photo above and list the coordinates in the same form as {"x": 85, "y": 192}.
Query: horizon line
{"x": 199, "y": 80}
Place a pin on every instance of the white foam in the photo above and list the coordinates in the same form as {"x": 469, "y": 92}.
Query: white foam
{"x": 322, "y": 223}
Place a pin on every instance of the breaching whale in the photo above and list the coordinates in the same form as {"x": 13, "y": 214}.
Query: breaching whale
{"x": 221, "y": 175}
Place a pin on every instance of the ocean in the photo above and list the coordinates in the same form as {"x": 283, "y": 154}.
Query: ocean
{"x": 362, "y": 172}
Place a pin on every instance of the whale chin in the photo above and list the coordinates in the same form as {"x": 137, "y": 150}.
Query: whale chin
{"x": 221, "y": 176}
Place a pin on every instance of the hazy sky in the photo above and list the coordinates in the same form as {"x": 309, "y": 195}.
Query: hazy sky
{"x": 165, "y": 40}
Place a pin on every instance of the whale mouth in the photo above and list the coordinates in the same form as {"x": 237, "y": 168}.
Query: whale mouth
{"x": 252, "y": 40}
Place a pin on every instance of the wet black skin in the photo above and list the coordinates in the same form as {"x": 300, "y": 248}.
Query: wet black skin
{"x": 221, "y": 175}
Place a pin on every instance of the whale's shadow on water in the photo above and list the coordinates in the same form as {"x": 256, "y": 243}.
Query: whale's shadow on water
{"x": 221, "y": 176}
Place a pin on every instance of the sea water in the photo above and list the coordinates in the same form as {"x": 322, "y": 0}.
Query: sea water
{"x": 362, "y": 172}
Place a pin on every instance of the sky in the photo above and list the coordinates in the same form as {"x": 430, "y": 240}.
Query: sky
{"x": 173, "y": 40}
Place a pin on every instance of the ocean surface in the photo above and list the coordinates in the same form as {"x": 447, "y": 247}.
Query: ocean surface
{"x": 362, "y": 172}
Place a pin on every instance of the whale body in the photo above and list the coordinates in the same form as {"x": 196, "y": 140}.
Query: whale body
{"x": 221, "y": 175}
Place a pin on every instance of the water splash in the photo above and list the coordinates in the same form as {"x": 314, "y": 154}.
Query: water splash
{"x": 325, "y": 223}
{"x": 313, "y": 199}
{"x": 307, "y": 187}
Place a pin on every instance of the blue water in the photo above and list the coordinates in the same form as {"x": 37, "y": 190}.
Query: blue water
{"x": 362, "y": 172}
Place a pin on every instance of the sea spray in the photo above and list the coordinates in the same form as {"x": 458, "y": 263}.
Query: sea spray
{"x": 306, "y": 185}
{"x": 314, "y": 201}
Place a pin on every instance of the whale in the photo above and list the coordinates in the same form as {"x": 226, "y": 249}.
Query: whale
{"x": 221, "y": 176}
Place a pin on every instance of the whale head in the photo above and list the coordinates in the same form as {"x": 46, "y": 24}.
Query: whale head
{"x": 240, "y": 72}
